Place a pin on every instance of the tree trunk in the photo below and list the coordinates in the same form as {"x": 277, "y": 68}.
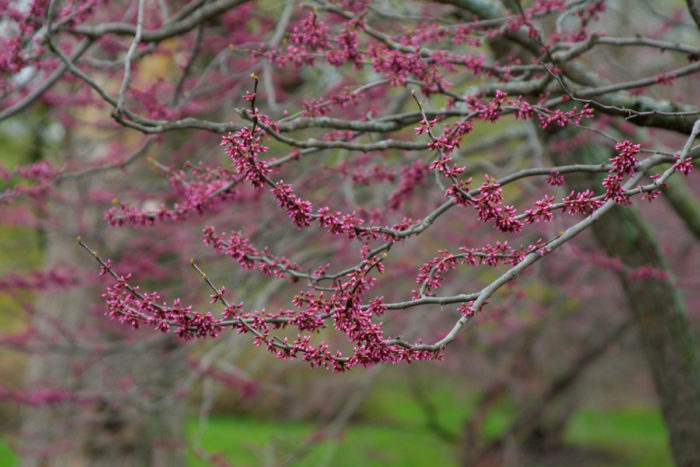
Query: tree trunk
{"x": 666, "y": 335}
{"x": 659, "y": 314}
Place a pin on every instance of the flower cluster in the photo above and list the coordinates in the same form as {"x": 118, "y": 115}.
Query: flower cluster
{"x": 311, "y": 34}
{"x": 450, "y": 139}
{"x": 490, "y": 111}
{"x": 297, "y": 209}
{"x": 237, "y": 247}
{"x": 130, "y": 306}
{"x": 684, "y": 166}
{"x": 555, "y": 179}
{"x": 490, "y": 207}
{"x": 347, "y": 45}
{"x": 398, "y": 66}
{"x": 244, "y": 147}
{"x": 542, "y": 212}
{"x": 584, "y": 202}
{"x": 557, "y": 118}
{"x": 624, "y": 164}
{"x": 432, "y": 274}
{"x": 343, "y": 306}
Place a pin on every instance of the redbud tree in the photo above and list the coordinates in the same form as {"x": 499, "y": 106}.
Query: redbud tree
{"x": 365, "y": 158}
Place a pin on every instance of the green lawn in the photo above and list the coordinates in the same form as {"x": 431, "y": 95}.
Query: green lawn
{"x": 7, "y": 457}
{"x": 248, "y": 442}
{"x": 637, "y": 438}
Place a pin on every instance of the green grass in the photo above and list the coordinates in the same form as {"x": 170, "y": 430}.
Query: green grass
{"x": 638, "y": 436}
{"x": 7, "y": 456}
{"x": 247, "y": 442}
{"x": 635, "y": 438}
{"x": 241, "y": 440}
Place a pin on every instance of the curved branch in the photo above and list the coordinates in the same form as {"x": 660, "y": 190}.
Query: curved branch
{"x": 176, "y": 28}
